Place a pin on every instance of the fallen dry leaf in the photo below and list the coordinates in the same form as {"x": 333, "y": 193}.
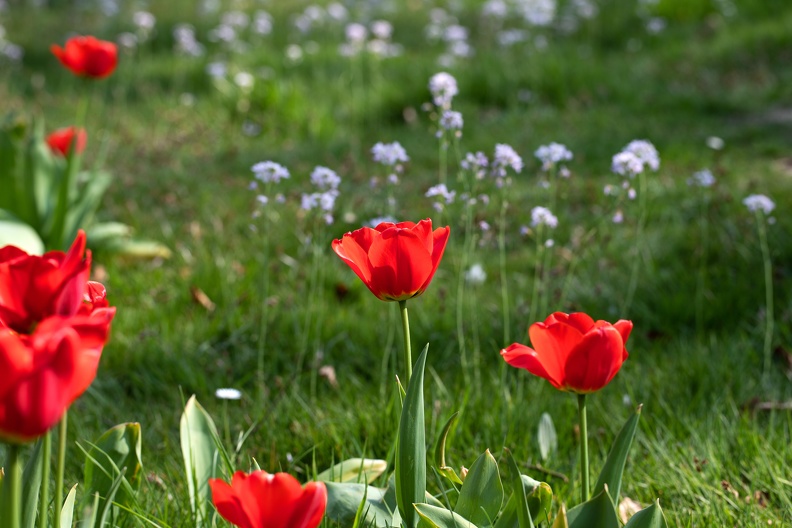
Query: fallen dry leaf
{"x": 201, "y": 298}
{"x": 628, "y": 508}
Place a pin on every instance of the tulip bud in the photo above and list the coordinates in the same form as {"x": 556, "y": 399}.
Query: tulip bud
{"x": 463, "y": 471}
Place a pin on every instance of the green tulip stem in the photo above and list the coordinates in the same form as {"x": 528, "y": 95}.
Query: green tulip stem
{"x": 584, "y": 461}
{"x": 768, "y": 280}
{"x": 45, "y": 478}
{"x": 59, "y": 468}
{"x": 407, "y": 350}
{"x": 13, "y": 480}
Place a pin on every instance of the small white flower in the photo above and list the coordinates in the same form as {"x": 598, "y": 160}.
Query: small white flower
{"x": 393, "y": 179}
{"x": 618, "y": 217}
{"x": 144, "y": 20}
{"x": 262, "y": 199}
{"x": 382, "y": 29}
{"x": 443, "y": 87}
{"x": 269, "y": 172}
{"x": 442, "y": 191}
{"x": 504, "y": 157}
{"x": 476, "y": 274}
{"x": 552, "y": 154}
{"x": 715, "y": 143}
{"x": 549, "y": 243}
{"x": 325, "y": 178}
{"x": 374, "y": 222}
{"x": 632, "y": 193}
{"x": 244, "y": 80}
{"x": 484, "y": 226}
{"x": 702, "y": 178}
{"x": 627, "y": 164}
{"x": 525, "y": 230}
{"x": 294, "y": 52}
{"x": 356, "y": 33}
{"x": 759, "y": 202}
{"x": 451, "y": 120}
{"x": 228, "y": 394}
{"x": 327, "y": 200}
{"x": 543, "y": 216}
{"x": 645, "y": 151}
{"x": 389, "y": 154}
{"x": 609, "y": 190}
{"x": 262, "y": 23}
{"x": 476, "y": 163}
{"x": 216, "y": 69}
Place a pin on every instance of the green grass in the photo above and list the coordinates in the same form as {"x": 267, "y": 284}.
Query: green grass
{"x": 182, "y": 175}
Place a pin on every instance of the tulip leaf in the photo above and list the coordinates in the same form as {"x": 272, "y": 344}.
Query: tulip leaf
{"x": 439, "y": 517}
{"x": 539, "y": 496}
{"x": 89, "y": 521}
{"x": 31, "y": 485}
{"x": 354, "y": 470}
{"x": 344, "y": 501}
{"x": 481, "y": 496}
{"x": 14, "y": 232}
{"x": 597, "y": 511}
{"x": 67, "y": 510}
{"x": 524, "y": 519}
{"x": 411, "y": 447}
{"x": 612, "y": 471}
{"x": 203, "y": 459}
{"x": 119, "y": 447}
{"x": 650, "y": 517}
{"x": 548, "y": 440}
{"x": 439, "y": 455}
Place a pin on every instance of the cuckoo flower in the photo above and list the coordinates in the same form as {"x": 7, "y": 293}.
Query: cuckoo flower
{"x": 87, "y": 56}
{"x": 395, "y": 261}
{"x": 264, "y": 500}
{"x": 61, "y": 141}
{"x": 572, "y": 351}
{"x": 34, "y": 287}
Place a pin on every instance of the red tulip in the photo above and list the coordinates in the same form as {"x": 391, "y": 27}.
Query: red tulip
{"x": 88, "y": 56}
{"x": 61, "y": 141}
{"x": 395, "y": 261}
{"x": 263, "y": 500}
{"x": 573, "y": 352}
{"x": 33, "y": 287}
{"x": 44, "y": 372}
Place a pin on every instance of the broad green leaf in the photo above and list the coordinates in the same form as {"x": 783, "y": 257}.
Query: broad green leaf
{"x": 411, "y": 448}
{"x": 548, "y": 440}
{"x": 81, "y": 212}
{"x": 597, "y": 511}
{"x": 481, "y": 496}
{"x": 202, "y": 459}
{"x": 439, "y": 456}
{"x": 438, "y": 517}
{"x": 31, "y": 484}
{"x": 524, "y": 519}
{"x": 67, "y": 510}
{"x": 89, "y": 521}
{"x": 106, "y": 505}
{"x": 650, "y": 517}
{"x": 612, "y": 471}
{"x": 539, "y": 496}
{"x": 14, "y": 232}
{"x": 354, "y": 470}
{"x": 344, "y": 499}
{"x": 118, "y": 448}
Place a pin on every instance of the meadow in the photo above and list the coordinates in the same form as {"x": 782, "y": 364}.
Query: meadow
{"x": 252, "y": 297}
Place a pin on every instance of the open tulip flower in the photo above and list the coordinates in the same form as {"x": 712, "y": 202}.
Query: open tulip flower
{"x": 395, "y": 261}
{"x": 264, "y": 500}
{"x": 61, "y": 141}
{"x": 34, "y": 287}
{"x": 572, "y": 351}
{"x": 87, "y": 56}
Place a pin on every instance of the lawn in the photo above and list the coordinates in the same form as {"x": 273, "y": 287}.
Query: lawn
{"x": 253, "y": 298}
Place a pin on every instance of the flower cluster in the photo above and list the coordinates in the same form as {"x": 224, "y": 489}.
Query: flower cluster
{"x": 443, "y": 195}
{"x": 443, "y": 87}
{"x": 327, "y": 181}
{"x": 542, "y": 216}
{"x": 759, "y": 202}
{"x": 552, "y": 154}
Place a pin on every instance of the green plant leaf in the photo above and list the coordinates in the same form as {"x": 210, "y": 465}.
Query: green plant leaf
{"x": 201, "y": 451}
{"x": 612, "y": 471}
{"x": 650, "y": 517}
{"x": 524, "y": 519}
{"x": 14, "y": 232}
{"x": 354, "y": 470}
{"x": 561, "y": 519}
{"x": 438, "y": 517}
{"x": 598, "y": 511}
{"x": 67, "y": 510}
{"x": 411, "y": 448}
{"x": 439, "y": 455}
{"x": 539, "y": 498}
{"x": 547, "y": 437}
{"x": 481, "y": 496}
{"x": 89, "y": 521}
{"x": 31, "y": 485}
{"x": 119, "y": 447}
{"x": 344, "y": 500}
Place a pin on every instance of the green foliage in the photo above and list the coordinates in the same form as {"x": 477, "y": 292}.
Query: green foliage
{"x": 481, "y": 495}
{"x": 612, "y": 472}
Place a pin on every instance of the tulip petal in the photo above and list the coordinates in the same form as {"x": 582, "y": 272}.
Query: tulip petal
{"x": 439, "y": 241}
{"x": 228, "y": 503}
{"x": 553, "y": 344}
{"x": 352, "y": 248}
{"x": 277, "y": 496}
{"x": 624, "y": 328}
{"x": 524, "y": 357}
{"x": 581, "y": 321}
{"x": 423, "y": 230}
{"x": 16, "y": 360}
{"x": 400, "y": 264}
{"x": 594, "y": 362}
{"x": 310, "y": 508}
